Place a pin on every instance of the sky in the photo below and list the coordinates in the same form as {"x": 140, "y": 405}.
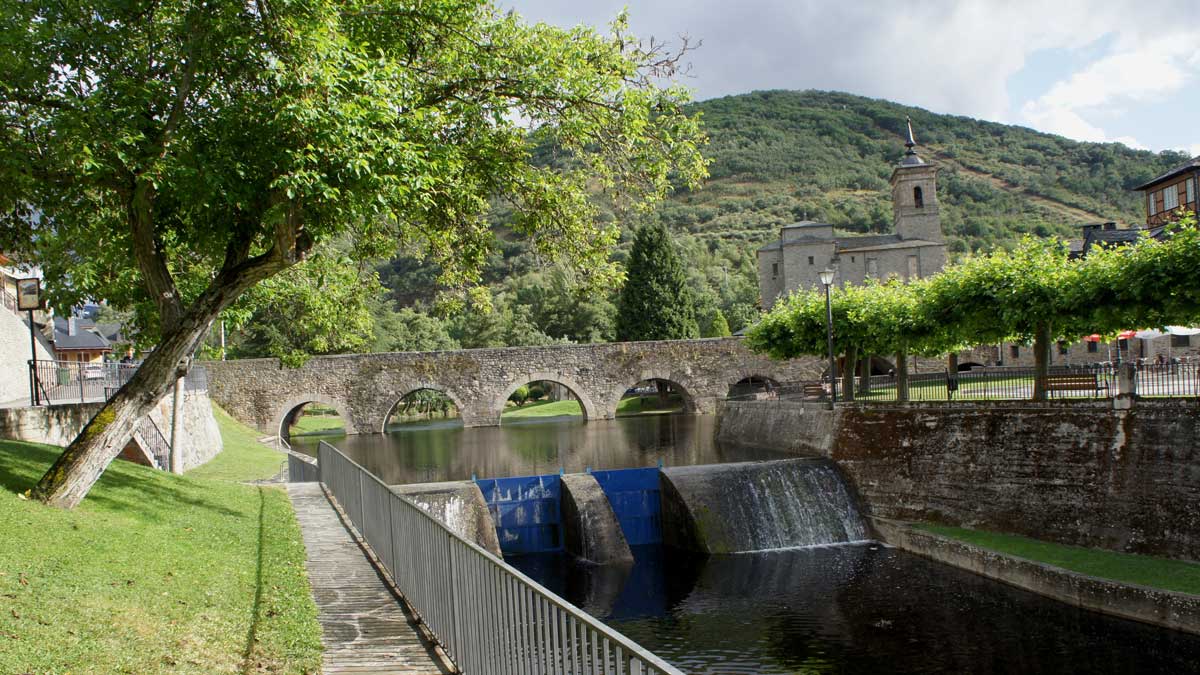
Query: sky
{"x": 1100, "y": 70}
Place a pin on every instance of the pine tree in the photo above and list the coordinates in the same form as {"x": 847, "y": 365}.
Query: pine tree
{"x": 656, "y": 303}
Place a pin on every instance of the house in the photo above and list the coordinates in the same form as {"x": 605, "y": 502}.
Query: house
{"x": 77, "y": 339}
{"x": 917, "y": 248}
{"x": 1172, "y": 193}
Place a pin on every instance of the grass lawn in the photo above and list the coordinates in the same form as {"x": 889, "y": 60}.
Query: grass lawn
{"x": 244, "y": 458}
{"x": 649, "y": 405}
{"x": 155, "y": 573}
{"x": 544, "y": 409}
{"x": 318, "y": 424}
{"x": 1171, "y": 575}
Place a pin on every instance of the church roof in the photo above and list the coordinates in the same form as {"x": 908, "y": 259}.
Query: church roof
{"x": 894, "y": 245}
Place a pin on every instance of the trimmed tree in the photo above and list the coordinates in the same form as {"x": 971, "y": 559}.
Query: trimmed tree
{"x": 656, "y": 302}
{"x": 169, "y": 157}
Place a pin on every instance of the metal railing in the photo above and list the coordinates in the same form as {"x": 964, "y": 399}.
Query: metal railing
{"x": 999, "y": 383}
{"x": 1178, "y": 378}
{"x": 301, "y": 469}
{"x": 488, "y": 617}
{"x": 155, "y": 443}
{"x": 77, "y": 382}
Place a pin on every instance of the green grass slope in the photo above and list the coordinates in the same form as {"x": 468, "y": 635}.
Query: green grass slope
{"x": 1172, "y": 575}
{"x": 154, "y": 573}
{"x": 778, "y": 156}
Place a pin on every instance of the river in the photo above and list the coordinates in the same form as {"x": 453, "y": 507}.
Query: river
{"x": 858, "y": 608}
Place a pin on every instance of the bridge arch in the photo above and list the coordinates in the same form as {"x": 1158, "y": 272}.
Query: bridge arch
{"x": 414, "y": 388}
{"x": 285, "y": 412}
{"x": 590, "y": 412}
{"x": 751, "y": 382}
{"x": 687, "y": 389}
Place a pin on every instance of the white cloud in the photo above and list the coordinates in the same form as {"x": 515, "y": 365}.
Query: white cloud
{"x": 953, "y": 57}
{"x": 1140, "y": 74}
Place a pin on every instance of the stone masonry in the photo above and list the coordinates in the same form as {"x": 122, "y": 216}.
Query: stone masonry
{"x": 364, "y": 388}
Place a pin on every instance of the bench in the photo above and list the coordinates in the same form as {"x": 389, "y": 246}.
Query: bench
{"x": 814, "y": 390}
{"x": 1072, "y": 382}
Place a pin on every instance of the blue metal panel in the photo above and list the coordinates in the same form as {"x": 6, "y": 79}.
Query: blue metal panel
{"x": 634, "y": 495}
{"x": 526, "y": 512}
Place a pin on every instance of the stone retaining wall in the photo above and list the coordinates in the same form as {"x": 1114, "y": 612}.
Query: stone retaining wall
{"x": 1075, "y": 472}
{"x": 1150, "y": 605}
{"x": 200, "y": 438}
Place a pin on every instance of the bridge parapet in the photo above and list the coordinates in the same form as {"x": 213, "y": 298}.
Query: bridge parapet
{"x": 364, "y": 388}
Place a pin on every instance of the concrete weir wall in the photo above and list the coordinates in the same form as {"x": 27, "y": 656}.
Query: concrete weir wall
{"x": 1075, "y": 472}
{"x": 460, "y": 506}
{"x": 590, "y": 528}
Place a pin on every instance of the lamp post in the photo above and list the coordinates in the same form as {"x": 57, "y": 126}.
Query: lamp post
{"x": 827, "y": 281}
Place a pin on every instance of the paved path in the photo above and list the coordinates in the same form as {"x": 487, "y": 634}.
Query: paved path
{"x": 365, "y": 627}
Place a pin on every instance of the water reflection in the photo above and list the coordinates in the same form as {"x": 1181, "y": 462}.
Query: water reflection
{"x": 852, "y": 609}
{"x": 436, "y": 451}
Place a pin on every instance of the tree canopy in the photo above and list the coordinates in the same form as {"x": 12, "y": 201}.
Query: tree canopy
{"x": 656, "y": 302}
{"x": 1033, "y": 293}
{"x": 168, "y": 156}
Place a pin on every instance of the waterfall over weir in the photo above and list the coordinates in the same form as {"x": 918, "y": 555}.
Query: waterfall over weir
{"x": 757, "y": 506}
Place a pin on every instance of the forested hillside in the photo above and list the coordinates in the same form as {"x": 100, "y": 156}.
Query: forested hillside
{"x": 778, "y": 157}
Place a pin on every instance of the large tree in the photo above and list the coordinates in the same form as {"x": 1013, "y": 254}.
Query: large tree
{"x": 169, "y": 155}
{"x": 656, "y": 303}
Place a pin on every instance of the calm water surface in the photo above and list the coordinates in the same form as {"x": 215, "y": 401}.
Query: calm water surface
{"x": 838, "y": 609}
{"x": 851, "y": 609}
{"x": 437, "y": 451}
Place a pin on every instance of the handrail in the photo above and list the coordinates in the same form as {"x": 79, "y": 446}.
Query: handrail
{"x": 489, "y": 617}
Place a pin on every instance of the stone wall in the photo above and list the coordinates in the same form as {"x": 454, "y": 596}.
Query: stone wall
{"x": 364, "y": 388}
{"x": 1075, "y": 472}
{"x": 200, "y": 439}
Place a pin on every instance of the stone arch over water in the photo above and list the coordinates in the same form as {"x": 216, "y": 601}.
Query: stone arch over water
{"x": 687, "y": 389}
{"x": 414, "y": 388}
{"x": 285, "y": 412}
{"x": 590, "y": 411}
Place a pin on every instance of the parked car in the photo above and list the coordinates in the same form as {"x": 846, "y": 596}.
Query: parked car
{"x": 93, "y": 371}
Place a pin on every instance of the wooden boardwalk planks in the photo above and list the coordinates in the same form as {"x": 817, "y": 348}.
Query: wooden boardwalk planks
{"x": 365, "y": 628}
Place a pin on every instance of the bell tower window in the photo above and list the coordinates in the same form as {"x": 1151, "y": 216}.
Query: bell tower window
{"x": 918, "y": 197}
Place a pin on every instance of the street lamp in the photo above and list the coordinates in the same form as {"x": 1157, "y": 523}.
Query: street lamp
{"x": 827, "y": 281}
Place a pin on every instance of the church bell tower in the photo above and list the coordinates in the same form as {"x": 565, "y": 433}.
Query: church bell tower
{"x": 914, "y": 196}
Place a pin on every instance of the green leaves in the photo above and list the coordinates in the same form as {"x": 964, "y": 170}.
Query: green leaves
{"x": 657, "y": 302}
{"x": 997, "y": 297}
{"x": 255, "y": 133}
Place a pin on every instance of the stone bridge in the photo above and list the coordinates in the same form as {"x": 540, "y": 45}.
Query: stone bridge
{"x": 364, "y": 388}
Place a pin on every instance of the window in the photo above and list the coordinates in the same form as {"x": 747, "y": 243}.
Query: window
{"x": 1123, "y": 345}
{"x": 918, "y": 197}
{"x": 1170, "y": 197}
{"x": 1183, "y": 341}
{"x": 1093, "y": 347}
{"x": 1150, "y": 203}
{"x": 810, "y": 260}
{"x": 851, "y": 258}
{"x": 1015, "y": 351}
{"x": 774, "y": 269}
{"x": 1063, "y": 349}
{"x": 1191, "y": 190}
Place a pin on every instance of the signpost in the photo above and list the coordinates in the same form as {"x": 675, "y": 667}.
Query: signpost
{"x": 29, "y": 298}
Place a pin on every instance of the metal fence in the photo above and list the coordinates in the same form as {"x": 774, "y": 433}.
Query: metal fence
{"x": 155, "y": 443}
{"x": 488, "y": 617}
{"x": 1178, "y": 379}
{"x": 1000, "y": 383}
{"x": 302, "y": 469}
{"x": 76, "y": 382}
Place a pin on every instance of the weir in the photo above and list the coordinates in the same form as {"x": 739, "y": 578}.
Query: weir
{"x": 711, "y": 509}
{"x": 758, "y": 506}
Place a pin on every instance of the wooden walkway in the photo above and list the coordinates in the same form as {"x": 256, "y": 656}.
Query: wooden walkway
{"x": 365, "y": 627}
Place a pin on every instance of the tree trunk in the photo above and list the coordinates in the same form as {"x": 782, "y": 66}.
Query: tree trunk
{"x": 848, "y": 373}
{"x": 864, "y": 375}
{"x": 1041, "y": 360}
{"x": 105, "y": 436}
{"x": 951, "y": 374}
{"x": 902, "y": 375}
{"x": 664, "y": 392}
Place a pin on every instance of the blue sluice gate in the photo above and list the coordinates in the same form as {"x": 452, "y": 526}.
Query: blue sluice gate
{"x": 526, "y": 511}
{"x": 634, "y": 496}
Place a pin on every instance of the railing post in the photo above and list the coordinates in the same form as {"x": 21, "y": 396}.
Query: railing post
{"x": 79, "y": 376}
{"x": 455, "y": 628}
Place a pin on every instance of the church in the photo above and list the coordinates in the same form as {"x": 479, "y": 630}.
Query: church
{"x": 917, "y": 249}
